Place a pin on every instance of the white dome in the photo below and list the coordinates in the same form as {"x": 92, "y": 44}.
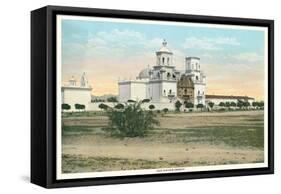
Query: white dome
{"x": 144, "y": 74}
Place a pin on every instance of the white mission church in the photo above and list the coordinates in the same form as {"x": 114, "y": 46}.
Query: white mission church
{"x": 163, "y": 84}
{"x": 160, "y": 83}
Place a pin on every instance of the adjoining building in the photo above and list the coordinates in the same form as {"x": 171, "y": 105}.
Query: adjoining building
{"x": 160, "y": 83}
{"x": 74, "y": 93}
{"x": 217, "y": 99}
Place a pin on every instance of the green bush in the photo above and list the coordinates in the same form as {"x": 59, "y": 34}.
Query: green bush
{"x": 151, "y": 107}
{"x": 65, "y": 107}
{"x": 178, "y": 105}
{"x": 165, "y": 110}
{"x": 79, "y": 106}
{"x": 103, "y": 106}
{"x": 131, "y": 121}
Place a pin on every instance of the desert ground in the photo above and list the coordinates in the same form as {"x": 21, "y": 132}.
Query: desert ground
{"x": 181, "y": 140}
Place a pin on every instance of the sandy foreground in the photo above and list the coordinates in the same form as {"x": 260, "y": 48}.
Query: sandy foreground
{"x": 92, "y": 146}
{"x": 159, "y": 148}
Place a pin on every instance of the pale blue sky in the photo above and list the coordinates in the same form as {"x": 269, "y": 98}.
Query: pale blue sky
{"x": 228, "y": 54}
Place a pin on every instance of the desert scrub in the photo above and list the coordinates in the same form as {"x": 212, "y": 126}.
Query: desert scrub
{"x": 130, "y": 120}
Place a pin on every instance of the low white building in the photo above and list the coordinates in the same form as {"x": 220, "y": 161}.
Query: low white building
{"x": 73, "y": 93}
{"x": 217, "y": 99}
{"x": 159, "y": 83}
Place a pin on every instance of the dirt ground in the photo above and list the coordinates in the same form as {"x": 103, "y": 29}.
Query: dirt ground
{"x": 183, "y": 139}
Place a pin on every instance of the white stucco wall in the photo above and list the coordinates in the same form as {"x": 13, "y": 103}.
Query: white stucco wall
{"x": 73, "y": 95}
{"x": 124, "y": 91}
{"x": 132, "y": 90}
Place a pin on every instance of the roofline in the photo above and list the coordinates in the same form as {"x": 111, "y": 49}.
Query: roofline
{"x": 229, "y": 97}
{"x": 158, "y": 52}
{"x": 192, "y": 58}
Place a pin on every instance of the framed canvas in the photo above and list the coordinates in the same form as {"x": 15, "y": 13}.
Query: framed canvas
{"x": 126, "y": 96}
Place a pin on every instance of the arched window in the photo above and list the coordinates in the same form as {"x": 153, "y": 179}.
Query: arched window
{"x": 185, "y": 91}
{"x": 196, "y": 77}
{"x": 158, "y": 75}
{"x": 168, "y": 75}
{"x": 163, "y": 61}
{"x": 164, "y": 92}
{"x": 168, "y": 61}
{"x": 170, "y": 91}
{"x": 198, "y": 92}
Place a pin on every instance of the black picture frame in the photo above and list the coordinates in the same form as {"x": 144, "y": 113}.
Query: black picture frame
{"x": 43, "y": 95}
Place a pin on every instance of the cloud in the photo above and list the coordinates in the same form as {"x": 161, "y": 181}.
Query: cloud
{"x": 209, "y": 43}
{"x": 249, "y": 57}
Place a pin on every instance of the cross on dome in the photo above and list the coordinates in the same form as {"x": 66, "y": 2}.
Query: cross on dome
{"x": 164, "y": 43}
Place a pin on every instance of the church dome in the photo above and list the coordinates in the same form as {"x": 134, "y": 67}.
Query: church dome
{"x": 144, "y": 74}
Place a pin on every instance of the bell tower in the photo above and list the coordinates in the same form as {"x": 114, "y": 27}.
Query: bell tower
{"x": 164, "y": 57}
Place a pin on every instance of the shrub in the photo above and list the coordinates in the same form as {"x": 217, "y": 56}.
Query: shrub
{"x": 211, "y": 104}
{"x": 79, "y": 106}
{"x": 233, "y": 104}
{"x": 132, "y": 121}
{"x": 112, "y": 99}
{"x": 178, "y": 105}
{"x": 151, "y": 107}
{"x": 65, "y": 107}
{"x": 200, "y": 106}
{"x": 165, "y": 110}
{"x": 189, "y": 105}
{"x": 103, "y": 106}
{"x": 119, "y": 106}
{"x": 145, "y": 100}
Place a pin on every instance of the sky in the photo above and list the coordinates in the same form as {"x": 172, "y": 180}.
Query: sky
{"x": 232, "y": 59}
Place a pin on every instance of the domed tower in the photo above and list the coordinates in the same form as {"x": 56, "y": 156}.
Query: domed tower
{"x": 164, "y": 57}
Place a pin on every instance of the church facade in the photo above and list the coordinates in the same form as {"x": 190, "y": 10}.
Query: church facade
{"x": 163, "y": 83}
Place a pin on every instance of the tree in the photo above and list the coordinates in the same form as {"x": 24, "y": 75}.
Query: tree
{"x": 178, "y": 105}
{"x": 233, "y": 104}
{"x": 131, "y": 101}
{"x": 65, "y": 107}
{"x": 145, "y": 101}
{"x": 165, "y": 110}
{"x": 200, "y": 106}
{"x": 246, "y": 104}
{"x": 254, "y": 104}
{"x": 227, "y": 104}
{"x": 222, "y": 104}
{"x": 151, "y": 107}
{"x": 132, "y": 121}
{"x": 103, "y": 106}
{"x": 211, "y": 104}
{"x": 119, "y": 106}
{"x": 261, "y": 104}
{"x": 240, "y": 104}
{"x": 189, "y": 105}
{"x": 112, "y": 99}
